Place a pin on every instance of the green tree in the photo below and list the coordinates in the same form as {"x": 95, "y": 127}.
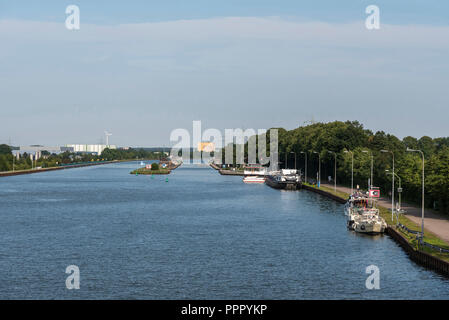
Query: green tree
{"x": 155, "y": 166}
{"x": 5, "y": 149}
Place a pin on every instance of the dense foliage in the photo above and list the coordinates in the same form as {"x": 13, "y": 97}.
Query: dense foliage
{"x": 7, "y": 160}
{"x": 339, "y": 136}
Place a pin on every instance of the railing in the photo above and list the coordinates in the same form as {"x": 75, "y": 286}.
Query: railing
{"x": 434, "y": 247}
{"x": 400, "y": 225}
{"x": 418, "y": 236}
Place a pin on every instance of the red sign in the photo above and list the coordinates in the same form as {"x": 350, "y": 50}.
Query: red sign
{"x": 374, "y": 193}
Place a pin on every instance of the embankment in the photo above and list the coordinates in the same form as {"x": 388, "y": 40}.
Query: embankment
{"x": 16, "y": 173}
{"x": 225, "y": 172}
{"x": 422, "y": 258}
{"x": 324, "y": 193}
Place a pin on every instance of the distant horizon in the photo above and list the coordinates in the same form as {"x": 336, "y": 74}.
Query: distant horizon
{"x": 169, "y": 146}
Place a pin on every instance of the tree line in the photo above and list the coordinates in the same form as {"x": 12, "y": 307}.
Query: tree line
{"x": 47, "y": 159}
{"x": 351, "y": 136}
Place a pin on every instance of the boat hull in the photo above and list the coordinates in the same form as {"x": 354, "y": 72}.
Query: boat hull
{"x": 253, "y": 179}
{"x": 285, "y": 185}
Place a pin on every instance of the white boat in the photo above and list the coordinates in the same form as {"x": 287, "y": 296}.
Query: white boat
{"x": 254, "y": 179}
{"x": 362, "y": 214}
{"x": 255, "y": 170}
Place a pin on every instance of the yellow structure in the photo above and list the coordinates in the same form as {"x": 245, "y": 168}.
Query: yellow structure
{"x": 206, "y": 146}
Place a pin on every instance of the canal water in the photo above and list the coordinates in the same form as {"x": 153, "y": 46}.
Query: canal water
{"x": 198, "y": 236}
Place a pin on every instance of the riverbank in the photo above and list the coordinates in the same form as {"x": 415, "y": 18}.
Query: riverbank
{"x": 427, "y": 257}
{"x": 170, "y": 167}
{"x": 69, "y": 166}
{"x": 149, "y": 171}
{"x": 227, "y": 172}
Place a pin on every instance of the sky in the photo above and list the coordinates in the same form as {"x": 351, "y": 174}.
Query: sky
{"x": 140, "y": 69}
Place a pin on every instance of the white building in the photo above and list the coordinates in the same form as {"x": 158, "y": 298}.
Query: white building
{"x": 89, "y": 148}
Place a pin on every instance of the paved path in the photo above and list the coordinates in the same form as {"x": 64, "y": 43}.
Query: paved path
{"x": 434, "y": 221}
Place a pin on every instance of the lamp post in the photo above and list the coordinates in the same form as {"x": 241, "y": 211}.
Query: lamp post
{"x": 392, "y": 183}
{"x": 286, "y": 160}
{"x": 319, "y": 168}
{"x": 335, "y": 169}
{"x": 305, "y": 164}
{"x": 399, "y": 188}
{"x": 422, "y": 204}
{"x": 372, "y": 161}
{"x": 295, "y": 157}
{"x": 352, "y": 170}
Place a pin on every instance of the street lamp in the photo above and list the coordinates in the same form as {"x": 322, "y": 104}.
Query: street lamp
{"x": 319, "y": 168}
{"x": 392, "y": 183}
{"x": 399, "y": 188}
{"x": 372, "y": 160}
{"x": 295, "y": 157}
{"x": 422, "y": 205}
{"x": 335, "y": 169}
{"x": 305, "y": 164}
{"x": 286, "y": 160}
{"x": 352, "y": 170}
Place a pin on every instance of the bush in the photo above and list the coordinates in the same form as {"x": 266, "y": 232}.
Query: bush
{"x": 155, "y": 166}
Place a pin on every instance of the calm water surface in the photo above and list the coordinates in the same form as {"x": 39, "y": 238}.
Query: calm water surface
{"x": 199, "y": 235}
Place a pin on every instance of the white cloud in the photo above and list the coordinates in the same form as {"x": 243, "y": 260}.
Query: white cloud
{"x": 197, "y": 68}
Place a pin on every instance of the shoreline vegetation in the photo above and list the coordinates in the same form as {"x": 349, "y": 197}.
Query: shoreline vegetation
{"x": 150, "y": 171}
{"x": 337, "y": 141}
{"x": 163, "y": 167}
{"x": 10, "y": 164}
{"x": 70, "y": 166}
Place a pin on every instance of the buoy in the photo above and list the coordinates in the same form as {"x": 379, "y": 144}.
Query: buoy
{"x": 166, "y": 179}
{"x": 152, "y": 176}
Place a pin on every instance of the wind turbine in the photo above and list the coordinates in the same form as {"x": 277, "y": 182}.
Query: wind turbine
{"x": 107, "y": 134}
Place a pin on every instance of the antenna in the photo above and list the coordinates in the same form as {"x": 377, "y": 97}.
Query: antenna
{"x": 107, "y": 134}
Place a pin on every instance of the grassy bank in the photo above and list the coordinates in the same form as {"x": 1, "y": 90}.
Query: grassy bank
{"x": 149, "y": 171}
{"x": 385, "y": 213}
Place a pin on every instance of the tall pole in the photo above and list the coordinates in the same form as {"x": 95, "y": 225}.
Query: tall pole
{"x": 305, "y": 164}
{"x": 399, "y": 193}
{"x": 422, "y": 196}
{"x": 392, "y": 184}
{"x": 335, "y": 170}
{"x": 319, "y": 168}
{"x": 295, "y": 158}
{"x": 286, "y": 159}
{"x": 352, "y": 170}
{"x": 372, "y": 161}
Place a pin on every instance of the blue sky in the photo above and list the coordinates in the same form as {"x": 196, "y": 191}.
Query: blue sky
{"x": 143, "y": 68}
{"x": 134, "y": 11}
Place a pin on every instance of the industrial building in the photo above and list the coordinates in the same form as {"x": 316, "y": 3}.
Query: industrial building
{"x": 89, "y": 148}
